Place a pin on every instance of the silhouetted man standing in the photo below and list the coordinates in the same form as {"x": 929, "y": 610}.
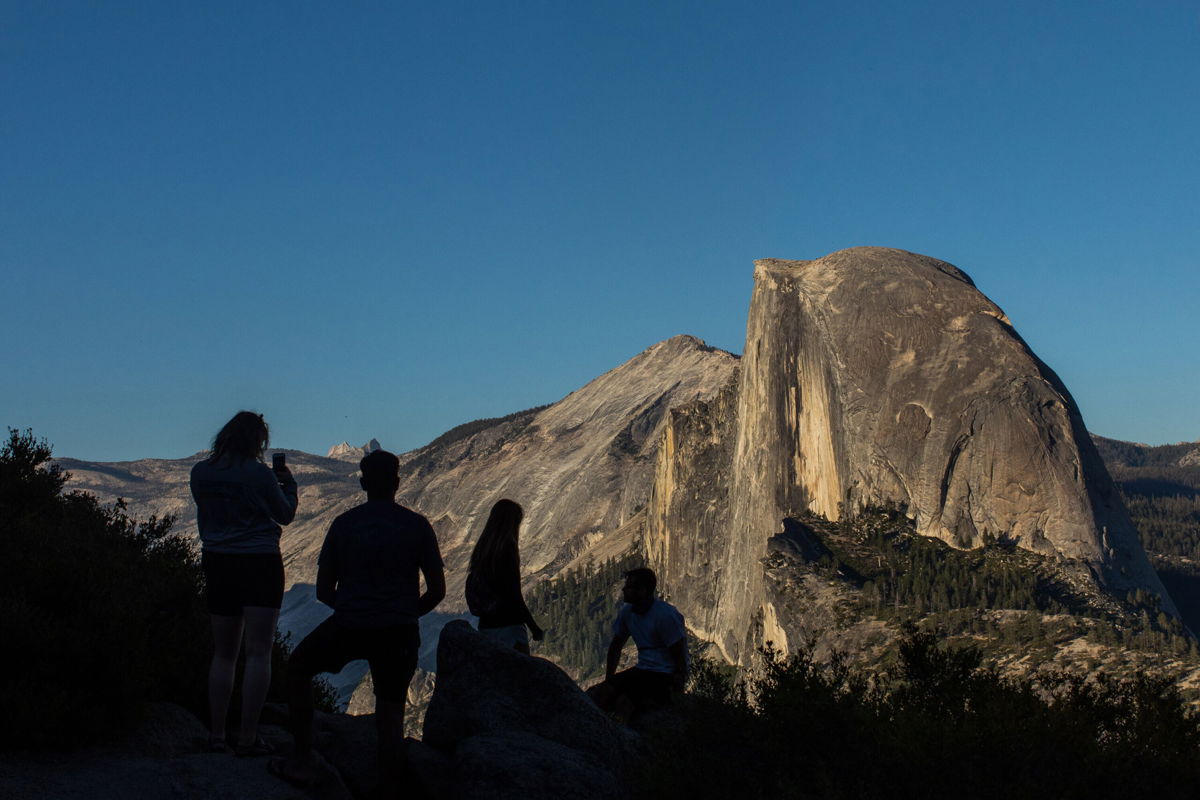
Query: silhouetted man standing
{"x": 367, "y": 573}
{"x": 657, "y": 629}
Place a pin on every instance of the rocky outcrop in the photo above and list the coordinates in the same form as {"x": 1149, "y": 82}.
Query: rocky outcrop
{"x": 870, "y": 376}
{"x": 165, "y": 757}
{"x": 875, "y": 376}
{"x": 348, "y": 452}
{"x": 518, "y": 726}
{"x": 582, "y": 468}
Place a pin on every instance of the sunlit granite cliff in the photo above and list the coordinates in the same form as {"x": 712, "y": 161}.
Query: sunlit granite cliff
{"x": 876, "y": 376}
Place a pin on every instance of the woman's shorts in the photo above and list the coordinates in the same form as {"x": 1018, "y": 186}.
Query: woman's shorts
{"x": 509, "y": 635}
{"x": 233, "y": 581}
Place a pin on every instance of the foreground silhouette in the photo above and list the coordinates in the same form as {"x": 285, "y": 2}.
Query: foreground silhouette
{"x": 368, "y": 573}
{"x": 241, "y": 505}
{"x": 493, "y": 590}
{"x": 657, "y": 629}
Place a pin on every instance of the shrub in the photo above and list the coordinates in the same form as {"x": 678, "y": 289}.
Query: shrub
{"x": 99, "y": 613}
{"x": 938, "y": 723}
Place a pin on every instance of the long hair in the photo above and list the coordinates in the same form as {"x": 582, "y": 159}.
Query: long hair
{"x": 497, "y": 545}
{"x": 244, "y": 438}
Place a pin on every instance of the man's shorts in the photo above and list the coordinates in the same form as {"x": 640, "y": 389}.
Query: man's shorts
{"x": 646, "y": 688}
{"x": 233, "y": 581}
{"x": 391, "y": 651}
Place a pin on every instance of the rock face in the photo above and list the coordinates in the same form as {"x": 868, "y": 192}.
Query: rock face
{"x": 582, "y": 468}
{"x": 518, "y": 726}
{"x": 870, "y": 376}
{"x": 348, "y": 452}
{"x": 877, "y": 376}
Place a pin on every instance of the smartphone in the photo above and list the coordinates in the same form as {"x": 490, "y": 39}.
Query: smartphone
{"x": 278, "y": 461}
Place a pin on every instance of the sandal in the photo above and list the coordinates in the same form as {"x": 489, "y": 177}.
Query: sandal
{"x": 260, "y": 747}
{"x": 279, "y": 768}
{"x": 217, "y": 744}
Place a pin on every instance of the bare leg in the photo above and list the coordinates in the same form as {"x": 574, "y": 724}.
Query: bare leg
{"x": 227, "y": 640}
{"x": 256, "y": 679}
{"x": 393, "y": 761}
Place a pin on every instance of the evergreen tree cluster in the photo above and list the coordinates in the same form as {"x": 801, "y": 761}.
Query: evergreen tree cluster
{"x": 1167, "y": 524}
{"x": 577, "y": 609}
{"x": 902, "y": 573}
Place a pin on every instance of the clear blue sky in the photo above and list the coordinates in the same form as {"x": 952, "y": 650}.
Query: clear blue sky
{"x": 385, "y": 219}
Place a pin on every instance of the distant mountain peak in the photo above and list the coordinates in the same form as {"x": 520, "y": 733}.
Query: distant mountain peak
{"x": 348, "y": 452}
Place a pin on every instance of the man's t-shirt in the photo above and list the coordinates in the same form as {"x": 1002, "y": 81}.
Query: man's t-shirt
{"x": 653, "y": 632}
{"x": 374, "y": 552}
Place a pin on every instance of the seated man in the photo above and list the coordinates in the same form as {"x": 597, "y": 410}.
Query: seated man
{"x": 657, "y": 629}
{"x": 367, "y": 572}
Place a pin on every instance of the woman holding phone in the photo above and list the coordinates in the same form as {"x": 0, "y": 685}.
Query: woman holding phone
{"x": 494, "y": 581}
{"x": 241, "y": 506}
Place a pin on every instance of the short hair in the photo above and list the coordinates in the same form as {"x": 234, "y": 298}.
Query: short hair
{"x": 380, "y": 470}
{"x": 643, "y": 577}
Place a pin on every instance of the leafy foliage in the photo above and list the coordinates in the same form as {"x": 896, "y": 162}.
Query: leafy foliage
{"x": 99, "y": 613}
{"x": 936, "y": 724}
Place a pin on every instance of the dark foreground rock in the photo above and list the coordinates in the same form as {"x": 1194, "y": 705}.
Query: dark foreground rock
{"x": 165, "y": 758}
{"x": 516, "y": 726}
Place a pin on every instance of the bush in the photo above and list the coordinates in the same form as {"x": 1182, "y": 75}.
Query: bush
{"x": 99, "y": 613}
{"x": 938, "y": 723}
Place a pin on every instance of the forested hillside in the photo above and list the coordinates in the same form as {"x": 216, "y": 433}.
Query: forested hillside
{"x": 1161, "y": 487}
{"x": 1022, "y": 609}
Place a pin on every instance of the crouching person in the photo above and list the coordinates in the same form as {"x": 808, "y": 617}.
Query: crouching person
{"x": 656, "y": 627}
{"x": 367, "y": 572}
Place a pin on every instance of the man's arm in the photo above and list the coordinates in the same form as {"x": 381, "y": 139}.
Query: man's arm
{"x": 431, "y": 568}
{"x": 326, "y": 585}
{"x": 678, "y": 653}
{"x": 614, "y": 655}
{"x": 435, "y": 588}
{"x": 327, "y": 568}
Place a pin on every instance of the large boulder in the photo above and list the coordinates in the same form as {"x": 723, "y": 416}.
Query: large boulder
{"x": 518, "y": 726}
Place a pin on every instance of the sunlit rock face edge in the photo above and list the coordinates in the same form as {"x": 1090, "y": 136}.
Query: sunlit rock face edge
{"x": 870, "y": 376}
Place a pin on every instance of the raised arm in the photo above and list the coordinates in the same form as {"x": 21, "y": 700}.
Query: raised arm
{"x": 278, "y": 488}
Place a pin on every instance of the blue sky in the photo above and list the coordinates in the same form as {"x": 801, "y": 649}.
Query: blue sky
{"x": 385, "y": 219}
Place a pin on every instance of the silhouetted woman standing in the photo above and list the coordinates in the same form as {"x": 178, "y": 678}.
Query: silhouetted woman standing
{"x": 494, "y": 581}
{"x": 241, "y": 504}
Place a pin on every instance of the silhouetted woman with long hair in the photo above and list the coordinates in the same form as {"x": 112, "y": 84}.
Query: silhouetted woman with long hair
{"x": 241, "y": 506}
{"x": 494, "y": 581}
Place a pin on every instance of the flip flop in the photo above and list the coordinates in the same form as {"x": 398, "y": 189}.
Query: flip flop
{"x": 260, "y": 747}
{"x": 278, "y": 768}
